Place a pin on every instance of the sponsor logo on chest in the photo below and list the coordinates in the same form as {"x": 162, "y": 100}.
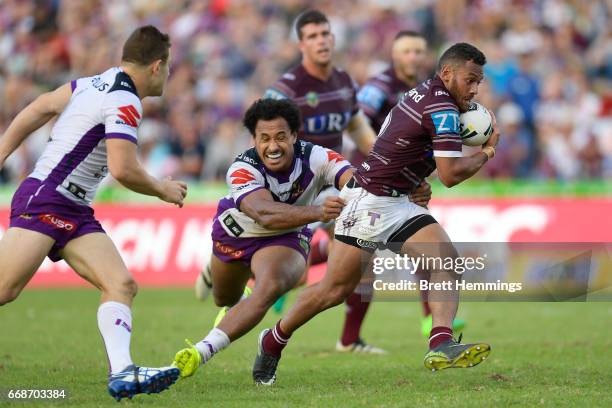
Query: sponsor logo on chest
{"x": 326, "y": 123}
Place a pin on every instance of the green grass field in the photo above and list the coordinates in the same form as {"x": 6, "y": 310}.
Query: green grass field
{"x": 544, "y": 354}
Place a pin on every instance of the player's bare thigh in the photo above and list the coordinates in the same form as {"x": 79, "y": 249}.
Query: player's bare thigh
{"x": 277, "y": 269}
{"x": 228, "y": 280}
{"x": 21, "y": 253}
{"x": 345, "y": 265}
{"x": 367, "y": 276}
{"x": 431, "y": 241}
{"x": 95, "y": 258}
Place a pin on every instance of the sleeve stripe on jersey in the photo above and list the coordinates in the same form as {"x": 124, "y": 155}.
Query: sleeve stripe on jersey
{"x": 410, "y": 176}
{"x": 441, "y": 108}
{"x": 444, "y": 153}
{"x": 447, "y": 139}
{"x": 431, "y": 105}
{"x": 410, "y": 115}
{"x": 284, "y": 89}
{"x": 326, "y": 96}
{"x": 415, "y": 113}
{"x": 339, "y": 174}
{"x": 239, "y": 199}
{"x": 73, "y": 85}
{"x": 123, "y": 136}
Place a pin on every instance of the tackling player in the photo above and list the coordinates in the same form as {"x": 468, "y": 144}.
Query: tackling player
{"x": 420, "y": 134}
{"x": 260, "y": 229}
{"x": 51, "y": 213}
{"x": 327, "y": 98}
{"x": 381, "y": 93}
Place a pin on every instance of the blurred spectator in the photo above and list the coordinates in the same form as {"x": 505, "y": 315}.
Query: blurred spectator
{"x": 514, "y": 153}
{"x": 548, "y": 79}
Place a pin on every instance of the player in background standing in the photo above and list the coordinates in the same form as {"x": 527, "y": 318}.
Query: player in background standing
{"x": 420, "y": 134}
{"x": 381, "y": 93}
{"x": 51, "y": 213}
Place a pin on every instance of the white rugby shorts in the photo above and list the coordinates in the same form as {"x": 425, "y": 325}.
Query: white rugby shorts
{"x": 371, "y": 222}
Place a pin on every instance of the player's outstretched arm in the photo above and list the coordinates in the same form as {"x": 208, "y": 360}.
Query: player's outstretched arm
{"x": 124, "y": 166}
{"x": 454, "y": 170}
{"x": 270, "y": 214}
{"x": 36, "y": 114}
{"x": 361, "y": 132}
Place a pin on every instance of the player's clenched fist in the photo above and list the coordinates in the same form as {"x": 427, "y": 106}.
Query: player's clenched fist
{"x": 422, "y": 194}
{"x": 331, "y": 208}
{"x": 173, "y": 191}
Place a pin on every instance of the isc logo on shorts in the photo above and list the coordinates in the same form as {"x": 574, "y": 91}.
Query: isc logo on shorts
{"x": 228, "y": 250}
{"x": 367, "y": 244}
{"x": 57, "y": 222}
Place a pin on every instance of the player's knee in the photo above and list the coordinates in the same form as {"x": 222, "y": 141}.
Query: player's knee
{"x": 125, "y": 288}
{"x": 264, "y": 299}
{"x": 131, "y": 287}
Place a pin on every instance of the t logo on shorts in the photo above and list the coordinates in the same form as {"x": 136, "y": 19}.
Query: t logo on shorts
{"x": 373, "y": 217}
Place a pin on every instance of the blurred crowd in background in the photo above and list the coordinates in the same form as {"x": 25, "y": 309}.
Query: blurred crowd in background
{"x": 548, "y": 77}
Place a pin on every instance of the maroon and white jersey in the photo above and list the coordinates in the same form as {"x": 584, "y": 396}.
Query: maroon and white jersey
{"x": 326, "y": 106}
{"x": 424, "y": 124}
{"x": 379, "y": 95}
{"x": 313, "y": 168}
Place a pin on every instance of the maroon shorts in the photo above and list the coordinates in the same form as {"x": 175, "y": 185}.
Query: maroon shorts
{"x": 37, "y": 206}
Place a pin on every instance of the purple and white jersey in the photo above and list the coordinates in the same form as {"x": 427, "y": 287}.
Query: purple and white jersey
{"x": 379, "y": 95}
{"x": 102, "y": 107}
{"x": 424, "y": 124}
{"x": 313, "y": 167}
{"x": 326, "y": 106}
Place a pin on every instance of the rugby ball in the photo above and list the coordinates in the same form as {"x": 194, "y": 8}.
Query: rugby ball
{"x": 475, "y": 125}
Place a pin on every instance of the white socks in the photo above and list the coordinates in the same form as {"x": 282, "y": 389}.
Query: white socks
{"x": 213, "y": 343}
{"x": 115, "y": 324}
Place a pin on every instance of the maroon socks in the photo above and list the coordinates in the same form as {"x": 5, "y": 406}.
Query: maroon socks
{"x": 439, "y": 335}
{"x": 275, "y": 340}
{"x": 356, "y": 310}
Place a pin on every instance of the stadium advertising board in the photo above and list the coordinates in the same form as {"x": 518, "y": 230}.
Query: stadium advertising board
{"x": 165, "y": 246}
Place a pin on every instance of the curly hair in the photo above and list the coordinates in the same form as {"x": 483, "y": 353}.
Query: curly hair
{"x": 268, "y": 109}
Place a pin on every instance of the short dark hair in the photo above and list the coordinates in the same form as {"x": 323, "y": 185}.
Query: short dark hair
{"x": 407, "y": 33}
{"x": 146, "y": 45}
{"x": 268, "y": 109}
{"x": 462, "y": 53}
{"x": 309, "y": 17}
